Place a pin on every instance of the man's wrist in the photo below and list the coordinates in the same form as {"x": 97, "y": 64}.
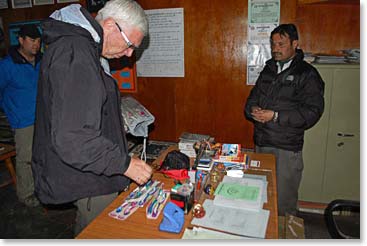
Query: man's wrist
{"x": 275, "y": 116}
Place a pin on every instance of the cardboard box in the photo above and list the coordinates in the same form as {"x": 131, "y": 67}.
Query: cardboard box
{"x": 291, "y": 227}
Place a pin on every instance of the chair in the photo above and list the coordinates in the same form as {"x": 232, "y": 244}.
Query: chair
{"x": 6, "y": 133}
{"x": 7, "y": 151}
{"x": 342, "y": 219}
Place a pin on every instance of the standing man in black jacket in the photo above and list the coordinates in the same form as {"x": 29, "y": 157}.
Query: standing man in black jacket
{"x": 288, "y": 98}
{"x": 80, "y": 149}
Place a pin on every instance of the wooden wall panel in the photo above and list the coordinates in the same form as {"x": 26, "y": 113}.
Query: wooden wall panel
{"x": 211, "y": 101}
{"x": 158, "y": 95}
{"x": 211, "y": 96}
{"x": 329, "y": 28}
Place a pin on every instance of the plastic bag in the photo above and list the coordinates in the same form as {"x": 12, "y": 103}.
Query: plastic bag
{"x": 136, "y": 117}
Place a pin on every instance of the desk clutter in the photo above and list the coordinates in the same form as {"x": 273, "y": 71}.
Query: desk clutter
{"x": 152, "y": 190}
{"x": 173, "y": 219}
{"x": 212, "y": 190}
{"x": 153, "y": 148}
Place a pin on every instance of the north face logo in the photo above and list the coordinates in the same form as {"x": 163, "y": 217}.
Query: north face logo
{"x": 290, "y": 78}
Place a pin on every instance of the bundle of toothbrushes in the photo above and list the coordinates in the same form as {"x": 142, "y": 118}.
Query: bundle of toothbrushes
{"x": 141, "y": 195}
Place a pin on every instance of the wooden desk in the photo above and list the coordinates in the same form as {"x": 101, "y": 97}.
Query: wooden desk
{"x": 7, "y": 151}
{"x": 137, "y": 226}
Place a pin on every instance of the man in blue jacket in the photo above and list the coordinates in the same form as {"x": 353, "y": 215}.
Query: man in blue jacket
{"x": 288, "y": 99}
{"x": 18, "y": 88}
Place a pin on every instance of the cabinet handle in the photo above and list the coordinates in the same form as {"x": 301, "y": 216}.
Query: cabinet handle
{"x": 340, "y": 144}
{"x": 345, "y": 134}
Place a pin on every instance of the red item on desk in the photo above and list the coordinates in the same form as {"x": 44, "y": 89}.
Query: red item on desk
{"x": 181, "y": 204}
{"x": 199, "y": 181}
{"x": 176, "y": 174}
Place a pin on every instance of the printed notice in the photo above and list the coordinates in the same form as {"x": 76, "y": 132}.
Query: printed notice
{"x": 260, "y": 33}
{"x": 161, "y": 54}
{"x": 264, "y": 11}
{"x": 263, "y": 17}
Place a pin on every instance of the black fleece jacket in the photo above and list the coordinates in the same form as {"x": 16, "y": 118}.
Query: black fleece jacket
{"x": 297, "y": 93}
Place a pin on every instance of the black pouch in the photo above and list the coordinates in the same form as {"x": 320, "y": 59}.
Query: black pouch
{"x": 175, "y": 160}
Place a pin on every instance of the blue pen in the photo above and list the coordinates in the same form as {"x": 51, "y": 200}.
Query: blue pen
{"x": 247, "y": 161}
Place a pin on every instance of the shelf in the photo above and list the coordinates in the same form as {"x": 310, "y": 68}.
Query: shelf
{"x": 301, "y": 2}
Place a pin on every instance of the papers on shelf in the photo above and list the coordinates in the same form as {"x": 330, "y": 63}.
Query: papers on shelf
{"x": 238, "y": 221}
{"x": 329, "y": 59}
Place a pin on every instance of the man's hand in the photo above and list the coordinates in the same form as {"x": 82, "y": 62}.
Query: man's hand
{"x": 255, "y": 109}
{"x": 139, "y": 171}
{"x": 262, "y": 115}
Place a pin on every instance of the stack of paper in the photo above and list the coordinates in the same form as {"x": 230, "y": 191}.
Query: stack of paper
{"x": 352, "y": 55}
{"x": 238, "y": 221}
{"x": 187, "y": 141}
{"x": 330, "y": 59}
{"x": 241, "y": 193}
{"x": 309, "y": 57}
{"x": 265, "y": 184}
{"x": 202, "y": 233}
{"x": 237, "y": 207}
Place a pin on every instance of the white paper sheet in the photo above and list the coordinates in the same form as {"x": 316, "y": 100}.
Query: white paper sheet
{"x": 238, "y": 221}
{"x": 162, "y": 52}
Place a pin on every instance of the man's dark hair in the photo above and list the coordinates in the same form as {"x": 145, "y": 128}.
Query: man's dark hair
{"x": 30, "y": 30}
{"x": 286, "y": 29}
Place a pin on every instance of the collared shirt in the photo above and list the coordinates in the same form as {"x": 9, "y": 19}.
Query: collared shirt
{"x": 284, "y": 67}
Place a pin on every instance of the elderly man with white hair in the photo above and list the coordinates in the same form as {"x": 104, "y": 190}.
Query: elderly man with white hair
{"x": 80, "y": 149}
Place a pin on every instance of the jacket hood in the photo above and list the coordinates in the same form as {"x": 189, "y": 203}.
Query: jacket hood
{"x": 299, "y": 55}
{"x": 72, "y": 20}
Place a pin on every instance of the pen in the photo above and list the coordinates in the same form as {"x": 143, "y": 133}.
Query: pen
{"x": 199, "y": 182}
{"x": 247, "y": 161}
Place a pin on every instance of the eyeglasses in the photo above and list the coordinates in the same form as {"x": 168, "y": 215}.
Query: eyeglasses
{"x": 129, "y": 44}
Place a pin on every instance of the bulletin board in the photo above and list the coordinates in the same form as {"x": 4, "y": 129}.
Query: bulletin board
{"x": 123, "y": 70}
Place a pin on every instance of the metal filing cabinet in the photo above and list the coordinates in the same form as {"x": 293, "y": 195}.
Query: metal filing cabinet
{"x": 332, "y": 147}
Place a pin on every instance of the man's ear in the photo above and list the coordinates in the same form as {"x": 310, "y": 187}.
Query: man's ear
{"x": 295, "y": 44}
{"x": 109, "y": 25}
{"x": 20, "y": 40}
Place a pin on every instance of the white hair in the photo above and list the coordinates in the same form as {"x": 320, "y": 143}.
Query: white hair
{"x": 128, "y": 11}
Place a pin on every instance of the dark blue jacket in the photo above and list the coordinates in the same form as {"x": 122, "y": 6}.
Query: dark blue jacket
{"x": 18, "y": 88}
{"x": 297, "y": 93}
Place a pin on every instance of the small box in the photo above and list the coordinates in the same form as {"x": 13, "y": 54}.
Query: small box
{"x": 185, "y": 202}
